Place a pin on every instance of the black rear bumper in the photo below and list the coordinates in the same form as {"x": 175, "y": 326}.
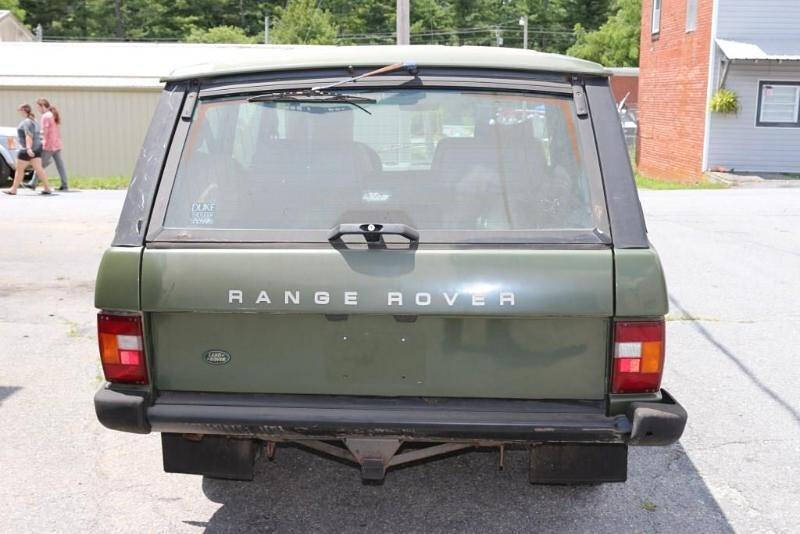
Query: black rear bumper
{"x": 431, "y": 419}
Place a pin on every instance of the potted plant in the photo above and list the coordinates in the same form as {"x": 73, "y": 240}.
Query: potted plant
{"x": 725, "y": 101}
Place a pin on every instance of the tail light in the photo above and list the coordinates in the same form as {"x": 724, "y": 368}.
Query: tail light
{"x": 638, "y": 356}
{"x": 11, "y": 143}
{"x": 121, "y": 348}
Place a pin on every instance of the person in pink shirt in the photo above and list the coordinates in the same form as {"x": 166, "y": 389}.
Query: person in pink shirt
{"x": 51, "y": 141}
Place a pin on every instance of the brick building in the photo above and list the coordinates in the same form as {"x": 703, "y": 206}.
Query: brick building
{"x": 625, "y": 85}
{"x": 690, "y": 49}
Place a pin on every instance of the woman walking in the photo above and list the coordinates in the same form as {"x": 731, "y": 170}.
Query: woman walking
{"x": 51, "y": 141}
{"x": 31, "y": 152}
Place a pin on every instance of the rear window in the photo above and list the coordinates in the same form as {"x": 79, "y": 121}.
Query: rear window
{"x": 441, "y": 161}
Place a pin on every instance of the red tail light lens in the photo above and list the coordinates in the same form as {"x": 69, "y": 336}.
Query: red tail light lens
{"x": 638, "y": 356}
{"x": 121, "y": 348}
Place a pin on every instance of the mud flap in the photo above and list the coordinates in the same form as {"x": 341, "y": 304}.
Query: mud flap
{"x": 212, "y": 456}
{"x": 578, "y": 463}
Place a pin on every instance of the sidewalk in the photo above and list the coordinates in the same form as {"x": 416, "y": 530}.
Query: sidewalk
{"x": 754, "y": 179}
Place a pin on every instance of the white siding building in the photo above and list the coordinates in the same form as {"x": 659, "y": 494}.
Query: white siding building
{"x": 105, "y": 92}
{"x": 11, "y": 29}
{"x": 755, "y": 51}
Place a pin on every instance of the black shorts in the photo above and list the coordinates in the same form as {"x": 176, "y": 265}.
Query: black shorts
{"x": 23, "y": 154}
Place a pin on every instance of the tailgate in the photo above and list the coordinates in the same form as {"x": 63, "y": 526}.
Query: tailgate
{"x": 476, "y": 322}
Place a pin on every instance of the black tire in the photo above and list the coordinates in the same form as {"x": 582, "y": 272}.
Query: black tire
{"x": 6, "y": 174}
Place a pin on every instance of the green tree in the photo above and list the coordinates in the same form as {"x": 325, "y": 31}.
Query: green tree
{"x": 220, "y": 34}
{"x": 57, "y": 17}
{"x": 362, "y": 22}
{"x": 245, "y": 14}
{"x": 551, "y": 22}
{"x": 590, "y": 14}
{"x": 13, "y": 6}
{"x": 433, "y": 17}
{"x": 135, "y": 19}
{"x": 615, "y": 43}
{"x": 302, "y": 22}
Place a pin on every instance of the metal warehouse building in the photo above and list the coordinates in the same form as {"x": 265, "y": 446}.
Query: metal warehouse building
{"x": 105, "y": 92}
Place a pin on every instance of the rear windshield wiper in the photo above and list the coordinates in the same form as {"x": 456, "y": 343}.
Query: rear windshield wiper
{"x": 315, "y": 97}
{"x": 323, "y": 93}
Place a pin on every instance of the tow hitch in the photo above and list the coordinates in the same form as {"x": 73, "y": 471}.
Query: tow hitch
{"x": 376, "y": 455}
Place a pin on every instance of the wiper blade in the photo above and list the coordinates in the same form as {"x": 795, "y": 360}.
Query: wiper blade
{"x": 323, "y": 94}
{"x": 315, "y": 97}
{"x": 309, "y": 95}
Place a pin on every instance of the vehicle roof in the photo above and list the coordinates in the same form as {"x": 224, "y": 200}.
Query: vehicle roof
{"x": 481, "y": 57}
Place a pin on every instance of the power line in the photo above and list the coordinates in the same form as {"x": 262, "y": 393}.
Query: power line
{"x": 378, "y": 36}
{"x": 456, "y": 31}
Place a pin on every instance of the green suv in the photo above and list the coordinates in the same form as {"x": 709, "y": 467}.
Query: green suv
{"x": 386, "y": 254}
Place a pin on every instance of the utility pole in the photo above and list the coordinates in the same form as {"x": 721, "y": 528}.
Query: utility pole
{"x": 120, "y": 29}
{"x": 403, "y": 22}
{"x": 543, "y": 34}
{"x": 266, "y": 29}
{"x": 523, "y": 21}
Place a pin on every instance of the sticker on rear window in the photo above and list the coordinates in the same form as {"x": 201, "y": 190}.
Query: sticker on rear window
{"x": 203, "y": 212}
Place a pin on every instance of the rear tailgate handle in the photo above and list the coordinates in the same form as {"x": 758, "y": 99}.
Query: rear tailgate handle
{"x": 373, "y": 232}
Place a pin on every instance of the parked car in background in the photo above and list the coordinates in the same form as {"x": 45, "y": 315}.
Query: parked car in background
{"x": 8, "y": 156}
{"x": 629, "y": 122}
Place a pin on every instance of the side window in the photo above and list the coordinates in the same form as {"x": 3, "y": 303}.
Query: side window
{"x": 386, "y": 132}
{"x": 211, "y": 139}
{"x": 245, "y": 138}
{"x": 778, "y": 104}
{"x": 656, "y": 22}
{"x": 691, "y": 15}
{"x": 405, "y": 136}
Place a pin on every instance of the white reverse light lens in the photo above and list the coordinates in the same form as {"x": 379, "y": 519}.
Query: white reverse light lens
{"x": 129, "y": 342}
{"x": 629, "y": 350}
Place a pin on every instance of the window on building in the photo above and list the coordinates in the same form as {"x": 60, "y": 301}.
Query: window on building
{"x": 656, "y": 22}
{"x": 691, "y": 15}
{"x": 778, "y": 104}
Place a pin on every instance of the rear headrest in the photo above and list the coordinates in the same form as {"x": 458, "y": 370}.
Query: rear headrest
{"x": 336, "y": 126}
{"x": 520, "y": 131}
{"x": 450, "y": 148}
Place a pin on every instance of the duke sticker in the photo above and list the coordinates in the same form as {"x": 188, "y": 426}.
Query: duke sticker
{"x": 203, "y": 212}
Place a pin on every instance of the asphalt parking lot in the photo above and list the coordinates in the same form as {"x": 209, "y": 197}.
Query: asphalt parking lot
{"x": 732, "y": 259}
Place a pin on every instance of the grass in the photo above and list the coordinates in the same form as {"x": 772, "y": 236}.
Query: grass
{"x": 649, "y": 505}
{"x": 645, "y": 182}
{"x": 93, "y": 182}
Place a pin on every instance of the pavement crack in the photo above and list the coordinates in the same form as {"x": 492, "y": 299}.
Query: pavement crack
{"x": 791, "y": 410}
{"x": 740, "y": 442}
